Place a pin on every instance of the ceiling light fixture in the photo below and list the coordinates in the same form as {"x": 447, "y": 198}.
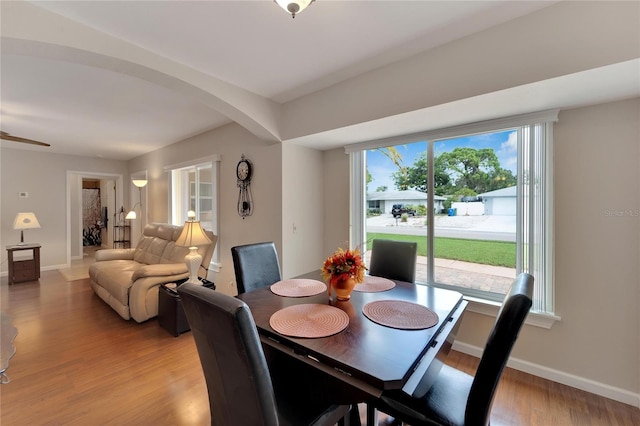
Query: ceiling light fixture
{"x": 294, "y": 6}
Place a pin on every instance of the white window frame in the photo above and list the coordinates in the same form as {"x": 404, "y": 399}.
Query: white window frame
{"x": 537, "y": 261}
{"x": 178, "y": 197}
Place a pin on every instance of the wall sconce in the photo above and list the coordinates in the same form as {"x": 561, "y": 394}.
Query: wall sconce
{"x": 25, "y": 221}
{"x": 192, "y": 235}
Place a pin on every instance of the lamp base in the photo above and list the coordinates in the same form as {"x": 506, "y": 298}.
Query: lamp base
{"x": 193, "y": 261}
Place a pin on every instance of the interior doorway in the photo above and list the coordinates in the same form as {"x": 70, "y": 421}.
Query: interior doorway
{"x": 92, "y": 203}
{"x": 95, "y": 213}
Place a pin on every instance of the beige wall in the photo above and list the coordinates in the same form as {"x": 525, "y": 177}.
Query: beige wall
{"x": 302, "y": 210}
{"x": 45, "y": 177}
{"x": 337, "y": 178}
{"x": 597, "y": 163}
{"x": 596, "y": 344}
{"x": 229, "y": 142}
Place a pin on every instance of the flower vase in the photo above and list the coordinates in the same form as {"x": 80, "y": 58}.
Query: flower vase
{"x": 344, "y": 288}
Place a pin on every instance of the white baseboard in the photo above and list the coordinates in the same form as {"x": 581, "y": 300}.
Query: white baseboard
{"x": 54, "y": 267}
{"x": 568, "y": 379}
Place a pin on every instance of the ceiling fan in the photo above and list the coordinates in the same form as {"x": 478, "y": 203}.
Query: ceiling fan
{"x": 6, "y": 136}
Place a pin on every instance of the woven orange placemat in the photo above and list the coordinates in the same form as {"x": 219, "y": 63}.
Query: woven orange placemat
{"x": 400, "y": 314}
{"x": 309, "y": 320}
{"x": 372, "y": 284}
{"x": 298, "y": 287}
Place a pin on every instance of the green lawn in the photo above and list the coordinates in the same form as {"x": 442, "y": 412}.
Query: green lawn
{"x": 496, "y": 253}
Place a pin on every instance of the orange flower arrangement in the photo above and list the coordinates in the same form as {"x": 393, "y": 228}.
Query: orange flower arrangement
{"x": 342, "y": 265}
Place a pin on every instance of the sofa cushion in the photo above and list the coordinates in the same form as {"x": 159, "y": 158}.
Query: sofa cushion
{"x": 115, "y": 277}
{"x": 157, "y": 245}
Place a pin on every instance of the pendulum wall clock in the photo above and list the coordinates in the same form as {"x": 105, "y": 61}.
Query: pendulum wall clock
{"x": 244, "y": 171}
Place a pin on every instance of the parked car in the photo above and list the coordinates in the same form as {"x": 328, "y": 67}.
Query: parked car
{"x": 398, "y": 209}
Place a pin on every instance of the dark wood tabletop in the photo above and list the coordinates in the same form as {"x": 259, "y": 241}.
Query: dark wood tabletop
{"x": 368, "y": 355}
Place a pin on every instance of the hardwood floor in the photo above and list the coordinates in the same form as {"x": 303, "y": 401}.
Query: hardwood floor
{"x": 78, "y": 363}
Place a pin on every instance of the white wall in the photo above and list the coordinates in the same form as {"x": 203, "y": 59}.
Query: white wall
{"x": 468, "y": 209}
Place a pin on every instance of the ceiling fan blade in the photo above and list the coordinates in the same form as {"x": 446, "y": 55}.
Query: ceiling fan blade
{"x": 6, "y": 136}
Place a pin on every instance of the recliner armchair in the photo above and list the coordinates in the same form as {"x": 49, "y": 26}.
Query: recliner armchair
{"x": 128, "y": 279}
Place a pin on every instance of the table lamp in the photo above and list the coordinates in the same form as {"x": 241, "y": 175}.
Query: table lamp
{"x": 25, "y": 221}
{"x": 192, "y": 235}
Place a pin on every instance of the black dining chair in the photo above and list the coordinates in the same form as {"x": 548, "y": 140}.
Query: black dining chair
{"x": 241, "y": 391}
{"x": 395, "y": 260}
{"x": 456, "y": 398}
{"x": 255, "y": 265}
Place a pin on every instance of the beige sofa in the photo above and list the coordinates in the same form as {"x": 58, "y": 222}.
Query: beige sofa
{"x": 129, "y": 279}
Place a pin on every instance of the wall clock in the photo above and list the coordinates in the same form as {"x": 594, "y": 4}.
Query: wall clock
{"x": 244, "y": 172}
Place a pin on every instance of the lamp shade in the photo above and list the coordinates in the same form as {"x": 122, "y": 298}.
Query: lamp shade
{"x": 26, "y": 221}
{"x": 131, "y": 215}
{"x": 139, "y": 182}
{"x": 192, "y": 235}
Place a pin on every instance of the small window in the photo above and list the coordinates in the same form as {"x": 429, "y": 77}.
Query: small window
{"x": 193, "y": 187}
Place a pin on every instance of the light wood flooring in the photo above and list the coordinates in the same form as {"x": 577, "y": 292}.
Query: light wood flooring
{"x": 78, "y": 363}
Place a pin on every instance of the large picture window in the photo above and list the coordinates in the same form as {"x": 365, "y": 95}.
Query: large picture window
{"x": 477, "y": 199}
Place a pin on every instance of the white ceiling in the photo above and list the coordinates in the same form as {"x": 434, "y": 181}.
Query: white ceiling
{"x": 253, "y": 45}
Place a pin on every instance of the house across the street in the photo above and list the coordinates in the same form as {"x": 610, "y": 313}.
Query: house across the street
{"x": 501, "y": 202}
{"x": 384, "y": 200}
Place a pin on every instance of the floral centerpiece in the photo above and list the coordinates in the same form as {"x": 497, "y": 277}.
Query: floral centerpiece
{"x": 343, "y": 268}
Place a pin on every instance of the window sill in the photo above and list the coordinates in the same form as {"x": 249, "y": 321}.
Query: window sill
{"x": 490, "y": 308}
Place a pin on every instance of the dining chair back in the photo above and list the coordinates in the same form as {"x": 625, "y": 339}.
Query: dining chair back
{"x": 240, "y": 388}
{"x": 395, "y": 260}
{"x": 255, "y": 265}
{"x": 498, "y": 348}
{"x": 457, "y": 398}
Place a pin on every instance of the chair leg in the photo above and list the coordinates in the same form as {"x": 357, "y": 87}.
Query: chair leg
{"x": 354, "y": 416}
{"x": 345, "y": 421}
{"x": 372, "y": 415}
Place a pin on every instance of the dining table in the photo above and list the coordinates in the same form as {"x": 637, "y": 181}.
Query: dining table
{"x": 389, "y": 335}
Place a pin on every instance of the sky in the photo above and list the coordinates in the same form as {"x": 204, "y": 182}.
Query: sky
{"x": 503, "y": 143}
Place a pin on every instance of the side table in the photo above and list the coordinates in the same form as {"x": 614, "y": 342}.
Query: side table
{"x": 24, "y": 270}
{"x": 171, "y": 314}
